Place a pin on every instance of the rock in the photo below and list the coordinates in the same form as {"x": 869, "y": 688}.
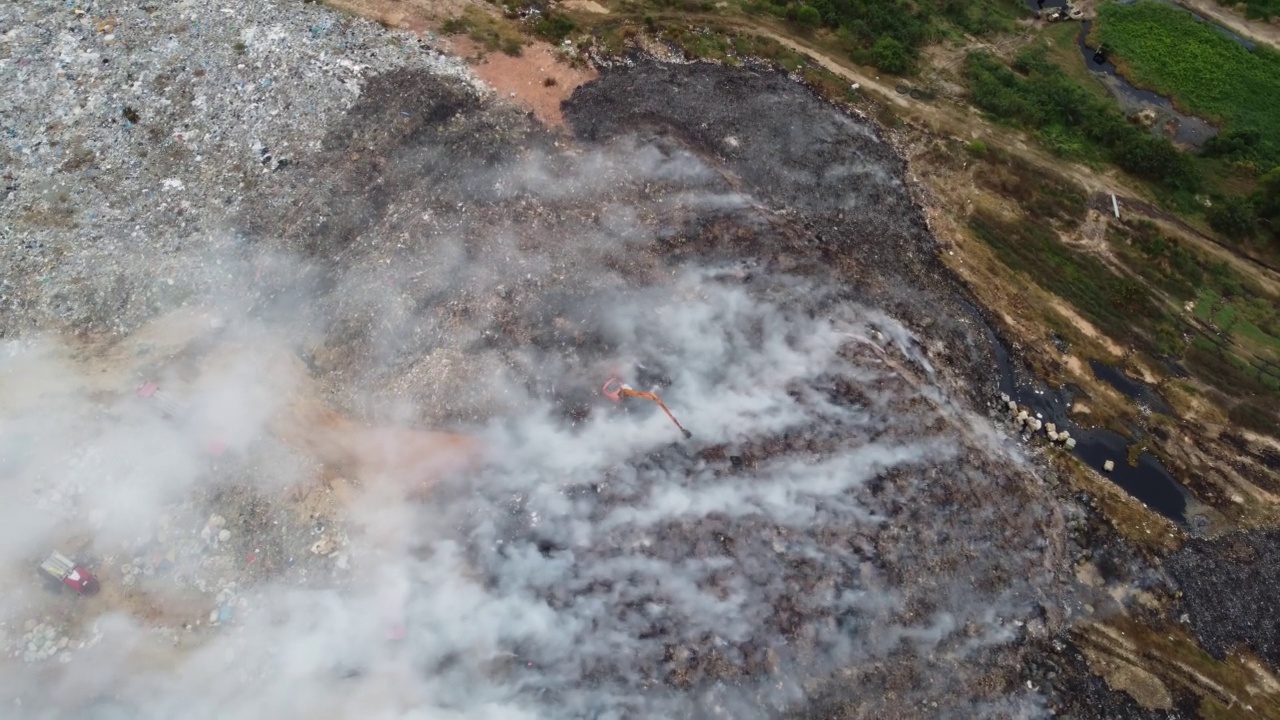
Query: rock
{"x": 224, "y": 535}
{"x": 1051, "y": 428}
{"x": 1013, "y": 406}
{"x": 1004, "y": 397}
{"x": 1071, "y": 443}
{"x": 1053, "y": 436}
{"x": 1109, "y": 465}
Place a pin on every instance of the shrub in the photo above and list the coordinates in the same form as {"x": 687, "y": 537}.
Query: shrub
{"x": 1070, "y": 121}
{"x": 1232, "y": 216}
{"x": 808, "y": 15}
{"x": 454, "y": 26}
{"x": 891, "y": 56}
{"x": 554, "y": 28}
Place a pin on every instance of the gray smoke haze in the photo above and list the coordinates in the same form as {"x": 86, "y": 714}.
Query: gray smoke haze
{"x": 841, "y": 523}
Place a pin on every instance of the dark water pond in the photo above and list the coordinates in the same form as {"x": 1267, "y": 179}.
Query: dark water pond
{"x": 1144, "y": 394}
{"x": 1149, "y": 482}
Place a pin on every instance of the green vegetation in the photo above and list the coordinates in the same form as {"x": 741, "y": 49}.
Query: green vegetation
{"x": 1071, "y": 121}
{"x": 490, "y": 32}
{"x": 1236, "y": 328}
{"x": 1261, "y": 9}
{"x": 1231, "y": 338}
{"x": 1116, "y": 304}
{"x": 889, "y": 33}
{"x": 554, "y": 27}
{"x": 1205, "y": 72}
{"x": 1044, "y": 197}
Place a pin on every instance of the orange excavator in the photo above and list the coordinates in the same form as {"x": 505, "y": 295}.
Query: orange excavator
{"x": 615, "y": 390}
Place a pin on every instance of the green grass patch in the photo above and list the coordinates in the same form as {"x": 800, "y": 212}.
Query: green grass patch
{"x": 493, "y": 33}
{"x": 1256, "y": 335}
{"x": 1203, "y": 71}
{"x": 1249, "y": 316}
{"x": 1205, "y": 303}
{"x": 1226, "y": 317}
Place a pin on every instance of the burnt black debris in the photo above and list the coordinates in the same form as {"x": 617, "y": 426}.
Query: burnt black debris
{"x": 1231, "y": 591}
{"x": 827, "y": 177}
{"x": 504, "y": 250}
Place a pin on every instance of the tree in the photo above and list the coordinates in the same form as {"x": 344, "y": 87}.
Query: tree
{"x": 1156, "y": 159}
{"x": 1232, "y": 216}
{"x": 1266, "y": 199}
{"x": 809, "y": 16}
{"x": 891, "y": 56}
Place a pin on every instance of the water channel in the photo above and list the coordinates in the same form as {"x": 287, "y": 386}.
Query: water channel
{"x": 1168, "y": 121}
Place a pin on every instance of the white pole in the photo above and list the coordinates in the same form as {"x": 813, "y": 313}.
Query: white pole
{"x": 1115, "y": 206}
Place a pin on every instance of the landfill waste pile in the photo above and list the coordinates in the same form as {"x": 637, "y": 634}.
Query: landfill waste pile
{"x": 393, "y": 300}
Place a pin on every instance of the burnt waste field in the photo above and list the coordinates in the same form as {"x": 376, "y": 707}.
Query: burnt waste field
{"x": 846, "y": 533}
{"x": 843, "y": 523}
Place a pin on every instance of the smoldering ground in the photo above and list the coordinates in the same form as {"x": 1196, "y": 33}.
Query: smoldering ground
{"x": 841, "y": 526}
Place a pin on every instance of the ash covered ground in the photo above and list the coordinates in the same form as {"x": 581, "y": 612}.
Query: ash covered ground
{"x": 846, "y": 532}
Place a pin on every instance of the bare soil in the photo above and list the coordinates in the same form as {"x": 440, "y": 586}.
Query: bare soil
{"x": 537, "y": 80}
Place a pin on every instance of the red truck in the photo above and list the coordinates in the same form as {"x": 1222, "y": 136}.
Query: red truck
{"x": 67, "y": 572}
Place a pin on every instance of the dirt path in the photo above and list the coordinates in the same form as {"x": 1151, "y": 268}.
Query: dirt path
{"x": 1256, "y": 30}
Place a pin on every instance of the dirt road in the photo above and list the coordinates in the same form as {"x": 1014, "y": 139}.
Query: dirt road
{"x": 1255, "y": 30}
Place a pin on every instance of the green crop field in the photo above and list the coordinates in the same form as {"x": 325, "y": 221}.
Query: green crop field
{"x": 1206, "y": 73}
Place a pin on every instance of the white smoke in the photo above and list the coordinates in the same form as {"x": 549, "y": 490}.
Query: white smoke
{"x": 834, "y": 509}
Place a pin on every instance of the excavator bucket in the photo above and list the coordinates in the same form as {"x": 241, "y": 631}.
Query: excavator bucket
{"x": 615, "y": 390}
